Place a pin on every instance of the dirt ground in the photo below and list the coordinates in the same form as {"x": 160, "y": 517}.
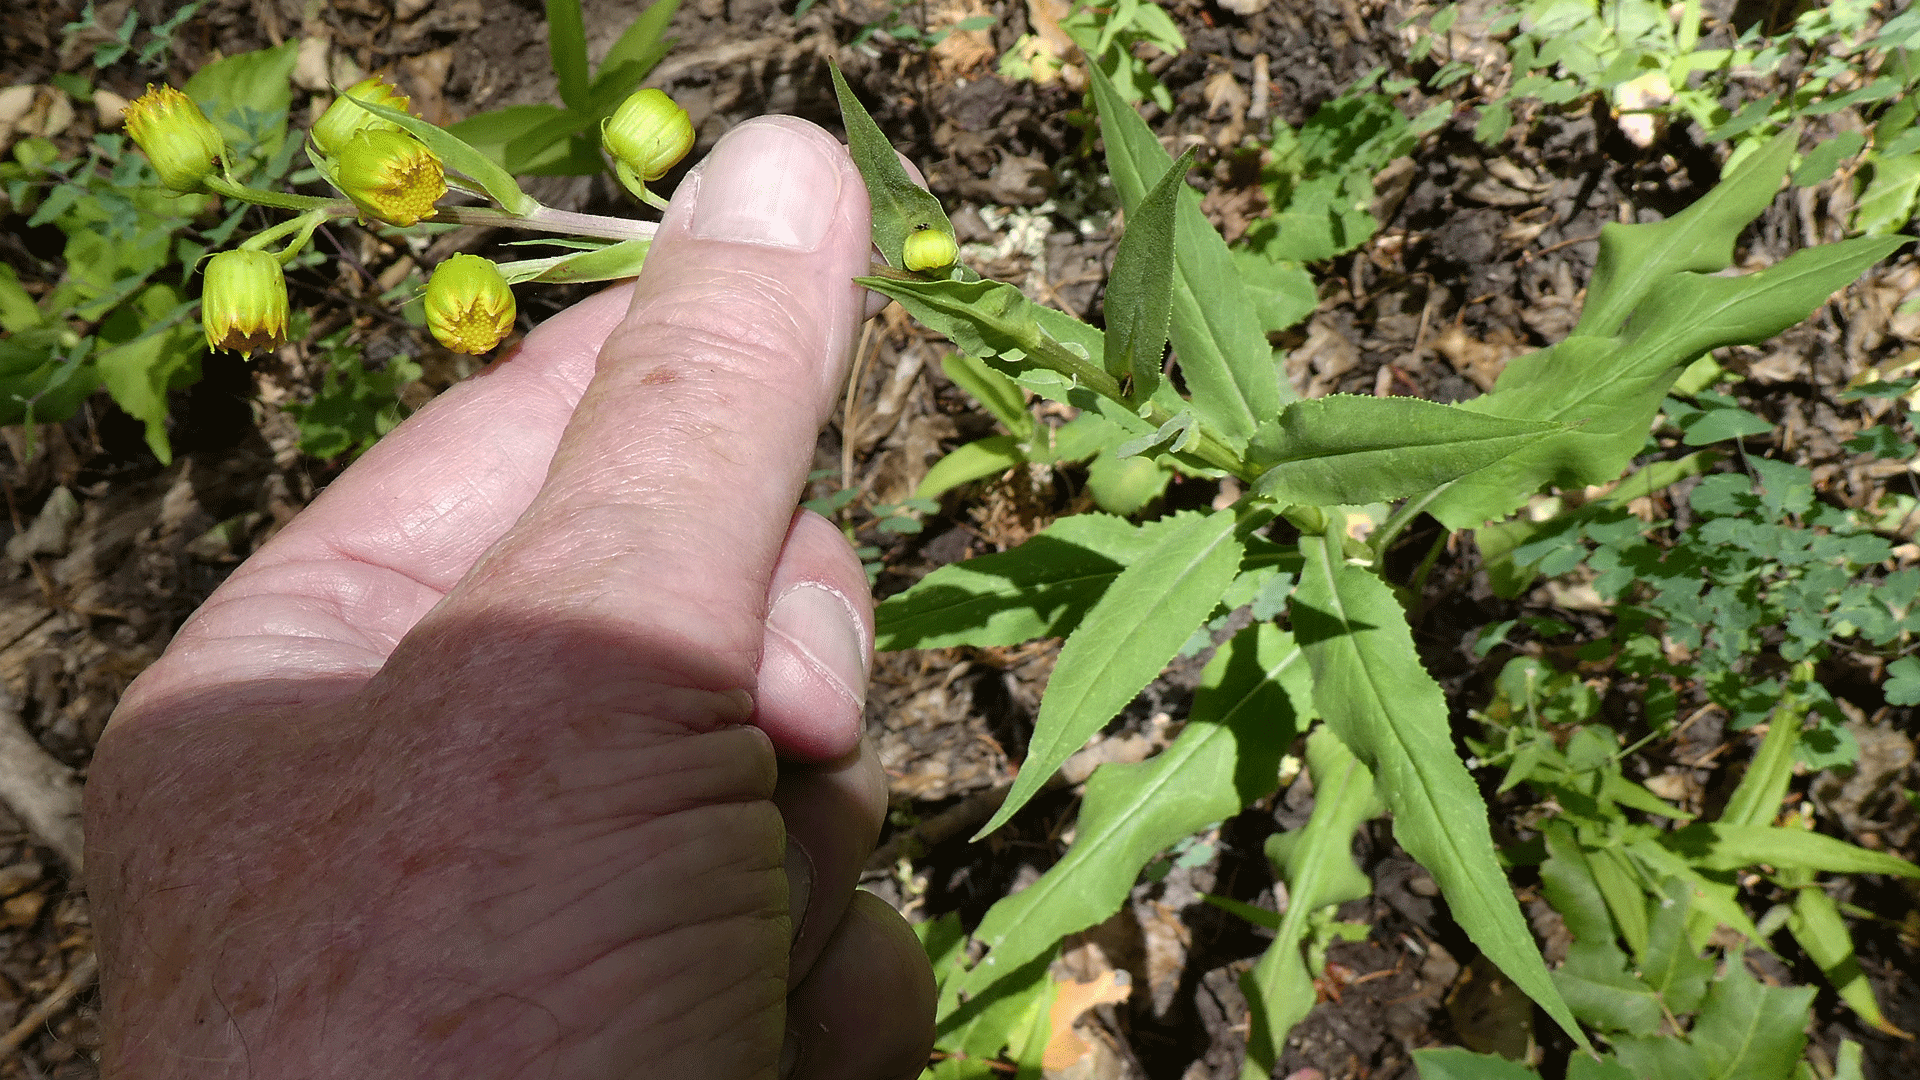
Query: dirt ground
{"x": 1482, "y": 255}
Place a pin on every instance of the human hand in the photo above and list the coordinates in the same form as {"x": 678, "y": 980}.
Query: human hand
{"x": 508, "y": 756}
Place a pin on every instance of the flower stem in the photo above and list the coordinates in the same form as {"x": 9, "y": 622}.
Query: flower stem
{"x": 548, "y": 219}
{"x": 220, "y": 185}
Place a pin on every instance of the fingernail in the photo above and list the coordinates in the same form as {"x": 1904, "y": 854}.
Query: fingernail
{"x": 799, "y": 884}
{"x": 767, "y": 184}
{"x": 823, "y": 627}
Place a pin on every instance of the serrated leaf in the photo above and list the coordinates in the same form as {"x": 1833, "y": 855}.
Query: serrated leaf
{"x": 1040, "y": 589}
{"x": 1634, "y": 259}
{"x": 1139, "y": 300}
{"x": 1670, "y": 964}
{"x": 1751, "y": 1031}
{"x": 1247, "y": 709}
{"x": 454, "y": 152}
{"x": 1137, "y": 625}
{"x": 1370, "y": 687}
{"x": 1217, "y": 338}
{"x": 1316, "y": 861}
{"x": 900, "y": 206}
{"x": 1602, "y": 992}
{"x": 1659, "y": 1058}
{"x": 1350, "y": 450}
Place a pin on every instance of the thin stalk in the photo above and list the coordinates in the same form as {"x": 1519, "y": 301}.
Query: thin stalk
{"x": 548, "y": 219}
{"x": 220, "y": 185}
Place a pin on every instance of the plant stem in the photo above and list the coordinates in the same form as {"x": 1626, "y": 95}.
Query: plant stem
{"x": 548, "y": 219}
{"x": 220, "y": 185}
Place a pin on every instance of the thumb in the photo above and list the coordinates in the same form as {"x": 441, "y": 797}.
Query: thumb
{"x": 670, "y": 494}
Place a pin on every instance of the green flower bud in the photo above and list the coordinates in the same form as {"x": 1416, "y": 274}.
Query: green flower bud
{"x": 470, "y": 307}
{"x": 243, "y": 305}
{"x": 389, "y": 175}
{"x": 176, "y": 136}
{"x": 928, "y": 248}
{"x": 343, "y": 119}
{"x": 647, "y": 135}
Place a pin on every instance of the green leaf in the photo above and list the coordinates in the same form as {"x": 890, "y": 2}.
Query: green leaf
{"x": 567, "y": 45}
{"x": 1669, "y": 964}
{"x": 1634, "y": 259}
{"x": 1888, "y": 202}
{"x": 156, "y": 350}
{"x": 1138, "y": 625}
{"x": 1247, "y": 709}
{"x": 1217, "y": 337}
{"x": 1758, "y": 798}
{"x": 1283, "y": 292}
{"x": 639, "y": 47}
{"x": 1751, "y": 1031}
{"x": 247, "y": 97}
{"x": 976, "y": 460}
{"x": 1370, "y": 687}
{"x": 1453, "y": 1063}
{"x": 1602, "y": 992}
{"x": 1659, "y": 1058}
{"x": 609, "y": 263}
{"x": 1567, "y": 881}
{"x": 1316, "y": 861}
{"x": 995, "y": 392}
{"x": 1821, "y": 161}
{"x": 1350, "y": 450}
{"x": 1582, "y": 1067}
{"x": 1817, "y": 926}
{"x": 1040, "y": 589}
{"x": 491, "y": 133}
{"x": 900, "y": 206}
{"x": 457, "y": 155}
{"x": 1139, "y": 300}
{"x": 1715, "y": 846}
{"x": 18, "y": 312}
{"x": 1713, "y": 901}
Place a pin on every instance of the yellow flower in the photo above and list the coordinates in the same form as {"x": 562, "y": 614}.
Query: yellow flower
{"x": 176, "y": 136}
{"x": 470, "y": 307}
{"x": 389, "y": 175}
{"x": 928, "y": 248}
{"x": 647, "y": 135}
{"x": 243, "y": 305}
{"x": 343, "y": 119}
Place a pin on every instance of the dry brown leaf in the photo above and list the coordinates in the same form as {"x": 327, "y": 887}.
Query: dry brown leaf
{"x": 1071, "y": 1001}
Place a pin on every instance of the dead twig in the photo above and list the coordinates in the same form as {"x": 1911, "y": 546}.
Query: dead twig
{"x": 78, "y": 979}
{"x": 39, "y": 790}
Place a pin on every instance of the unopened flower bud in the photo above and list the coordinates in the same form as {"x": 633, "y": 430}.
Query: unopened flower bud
{"x": 343, "y": 119}
{"x": 470, "y": 307}
{"x": 243, "y": 305}
{"x": 389, "y": 175}
{"x": 928, "y": 248}
{"x": 176, "y": 136}
{"x": 647, "y": 135}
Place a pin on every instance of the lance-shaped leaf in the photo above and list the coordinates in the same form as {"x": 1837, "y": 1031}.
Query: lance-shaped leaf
{"x": 1371, "y": 690}
{"x": 900, "y": 206}
{"x": 1217, "y": 336}
{"x": 1139, "y": 301}
{"x": 455, "y": 154}
{"x": 1816, "y": 924}
{"x": 1249, "y": 706}
{"x": 1349, "y": 450}
{"x": 995, "y": 392}
{"x": 1040, "y": 589}
{"x": 1616, "y": 385}
{"x": 1148, "y": 612}
{"x": 1717, "y": 846}
{"x": 621, "y": 260}
{"x": 1316, "y": 861}
{"x": 1635, "y": 259}
{"x": 976, "y": 460}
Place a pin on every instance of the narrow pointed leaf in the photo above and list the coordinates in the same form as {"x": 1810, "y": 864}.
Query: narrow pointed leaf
{"x": 1248, "y": 708}
{"x": 1139, "y": 300}
{"x": 1816, "y": 924}
{"x": 900, "y": 206}
{"x": 1372, "y": 691}
{"x": 1138, "y": 625}
{"x": 567, "y": 44}
{"x": 1714, "y": 846}
{"x": 995, "y": 392}
{"x": 1757, "y": 800}
{"x": 461, "y": 158}
{"x": 976, "y": 460}
{"x": 621, "y": 260}
{"x": 1216, "y": 332}
{"x": 1346, "y": 449}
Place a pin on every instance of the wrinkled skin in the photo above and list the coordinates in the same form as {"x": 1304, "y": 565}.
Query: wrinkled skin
{"x": 500, "y": 760}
